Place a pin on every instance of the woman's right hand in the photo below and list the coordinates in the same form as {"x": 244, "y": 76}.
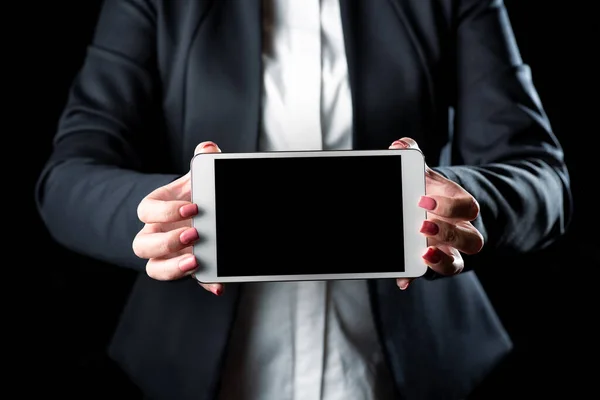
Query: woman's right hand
{"x": 167, "y": 236}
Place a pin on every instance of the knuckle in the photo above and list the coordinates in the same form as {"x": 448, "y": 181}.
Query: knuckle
{"x": 138, "y": 250}
{"x": 152, "y": 272}
{"x": 164, "y": 272}
{"x": 457, "y": 269}
{"x": 474, "y": 208}
{"x": 479, "y": 243}
{"x": 475, "y": 243}
{"x": 172, "y": 245}
{"x": 169, "y": 275}
{"x": 168, "y": 215}
{"x": 141, "y": 211}
{"x": 456, "y": 264}
{"x": 450, "y": 208}
{"x": 448, "y": 235}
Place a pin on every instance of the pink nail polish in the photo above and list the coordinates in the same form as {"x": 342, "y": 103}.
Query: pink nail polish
{"x": 432, "y": 256}
{"x": 188, "y": 236}
{"x": 188, "y": 210}
{"x": 400, "y": 143}
{"x": 188, "y": 264}
{"x": 429, "y": 228}
{"x": 427, "y": 203}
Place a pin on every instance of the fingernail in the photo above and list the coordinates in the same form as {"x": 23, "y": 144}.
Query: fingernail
{"x": 400, "y": 143}
{"x": 217, "y": 290}
{"x": 188, "y": 264}
{"x": 427, "y": 203}
{"x": 208, "y": 145}
{"x": 188, "y": 210}
{"x": 403, "y": 285}
{"x": 432, "y": 256}
{"x": 429, "y": 228}
{"x": 189, "y": 236}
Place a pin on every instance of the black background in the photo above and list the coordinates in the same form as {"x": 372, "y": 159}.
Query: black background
{"x": 73, "y": 303}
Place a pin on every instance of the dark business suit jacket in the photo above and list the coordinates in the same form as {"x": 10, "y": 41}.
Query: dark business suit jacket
{"x": 162, "y": 76}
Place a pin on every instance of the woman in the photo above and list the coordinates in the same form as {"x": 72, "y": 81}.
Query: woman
{"x": 165, "y": 79}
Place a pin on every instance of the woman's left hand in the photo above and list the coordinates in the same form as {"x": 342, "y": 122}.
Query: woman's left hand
{"x": 448, "y": 227}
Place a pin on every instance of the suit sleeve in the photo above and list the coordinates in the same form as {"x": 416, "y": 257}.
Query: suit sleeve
{"x": 89, "y": 189}
{"x": 504, "y": 151}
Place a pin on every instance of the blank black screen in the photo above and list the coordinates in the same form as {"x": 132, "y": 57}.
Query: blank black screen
{"x": 309, "y": 215}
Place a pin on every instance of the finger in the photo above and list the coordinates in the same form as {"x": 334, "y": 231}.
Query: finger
{"x": 404, "y": 143}
{"x": 207, "y": 147}
{"x": 463, "y": 237}
{"x": 464, "y": 208}
{"x": 433, "y": 179}
{"x": 153, "y": 211}
{"x": 163, "y": 244}
{"x": 438, "y": 181}
{"x": 214, "y": 288}
{"x": 448, "y": 262}
{"x": 408, "y": 143}
{"x": 171, "y": 268}
{"x": 169, "y": 203}
{"x": 404, "y": 282}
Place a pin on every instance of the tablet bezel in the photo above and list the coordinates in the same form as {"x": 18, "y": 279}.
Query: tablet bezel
{"x": 203, "y": 194}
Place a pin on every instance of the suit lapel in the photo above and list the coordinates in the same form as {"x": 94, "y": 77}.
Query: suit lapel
{"x": 390, "y": 87}
{"x": 223, "y": 100}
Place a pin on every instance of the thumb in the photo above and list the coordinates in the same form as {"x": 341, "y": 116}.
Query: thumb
{"x": 405, "y": 143}
{"x": 207, "y": 147}
{"x": 204, "y": 147}
{"x": 409, "y": 143}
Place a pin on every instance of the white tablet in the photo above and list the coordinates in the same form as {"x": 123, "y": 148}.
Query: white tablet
{"x": 309, "y": 215}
